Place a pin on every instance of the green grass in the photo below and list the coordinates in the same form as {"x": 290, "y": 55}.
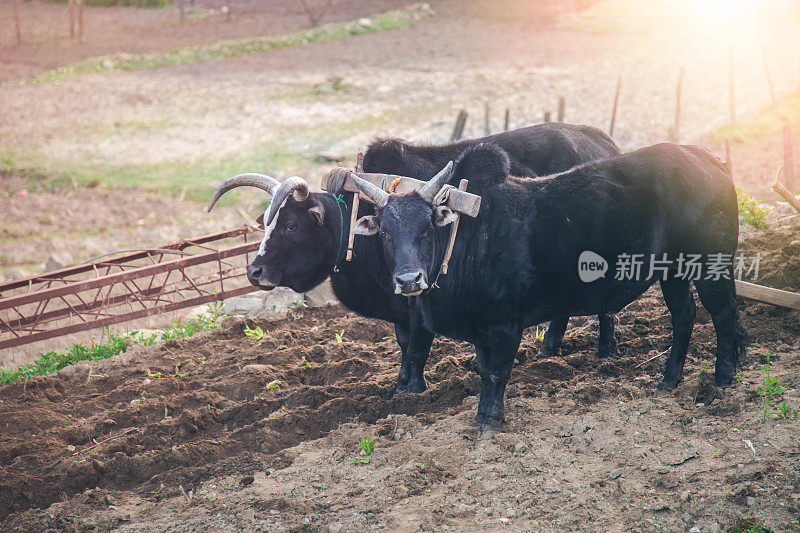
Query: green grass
{"x": 389, "y": 20}
{"x": 367, "y": 445}
{"x": 749, "y": 525}
{"x": 115, "y": 344}
{"x": 751, "y": 212}
{"x": 771, "y": 390}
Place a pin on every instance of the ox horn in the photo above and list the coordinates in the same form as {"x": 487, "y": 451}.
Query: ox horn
{"x": 432, "y": 188}
{"x": 377, "y": 195}
{"x": 296, "y": 186}
{"x": 259, "y": 181}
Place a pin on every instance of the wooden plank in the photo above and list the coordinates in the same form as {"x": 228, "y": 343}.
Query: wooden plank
{"x": 461, "y": 201}
{"x": 768, "y": 295}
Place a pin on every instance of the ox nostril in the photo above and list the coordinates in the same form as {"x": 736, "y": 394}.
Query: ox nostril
{"x": 255, "y": 272}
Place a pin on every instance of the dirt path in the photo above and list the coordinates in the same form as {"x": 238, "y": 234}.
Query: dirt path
{"x": 588, "y": 442}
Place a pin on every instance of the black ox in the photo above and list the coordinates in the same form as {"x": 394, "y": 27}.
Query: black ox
{"x": 306, "y": 233}
{"x": 516, "y": 264}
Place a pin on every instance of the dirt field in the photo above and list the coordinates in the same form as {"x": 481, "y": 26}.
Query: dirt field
{"x": 588, "y": 445}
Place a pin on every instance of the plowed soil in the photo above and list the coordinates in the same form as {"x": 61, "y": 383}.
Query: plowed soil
{"x": 189, "y": 436}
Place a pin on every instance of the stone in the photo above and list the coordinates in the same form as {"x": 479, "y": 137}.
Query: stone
{"x": 77, "y": 372}
{"x": 57, "y": 261}
{"x": 511, "y": 513}
{"x": 255, "y": 369}
{"x": 694, "y": 529}
{"x": 614, "y": 474}
{"x": 263, "y": 304}
{"x": 714, "y": 528}
{"x": 335, "y": 528}
{"x": 321, "y": 295}
{"x": 520, "y": 447}
{"x": 685, "y": 495}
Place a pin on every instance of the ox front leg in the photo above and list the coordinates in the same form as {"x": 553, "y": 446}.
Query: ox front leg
{"x": 415, "y": 343}
{"x": 606, "y": 342}
{"x": 494, "y": 361}
{"x": 680, "y": 302}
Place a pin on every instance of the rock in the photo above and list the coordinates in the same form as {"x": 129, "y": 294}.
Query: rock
{"x": 77, "y": 372}
{"x": 255, "y": 369}
{"x": 321, "y": 295}
{"x": 58, "y": 261}
{"x": 365, "y": 22}
{"x": 658, "y": 506}
{"x": 714, "y": 528}
{"x": 12, "y": 274}
{"x": 505, "y": 520}
{"x": 576, "y": 360}
{"x": 335, "y": 528}
{"x": 135, "y": 402}
{"x": 694, "y": 529}
{"x": 520, "y": 447}
{"x": 685, "y": 495}
{"x": 511, "y": 513}
{"x": 70, "y": 448}
{"x": 614, "y": 474}
{"x": 263, "y": 304}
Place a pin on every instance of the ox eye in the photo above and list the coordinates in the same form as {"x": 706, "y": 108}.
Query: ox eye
{"x": 290, "y": 228}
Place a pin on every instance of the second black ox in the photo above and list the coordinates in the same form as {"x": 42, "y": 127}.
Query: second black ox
{"x": 517, "y": 263}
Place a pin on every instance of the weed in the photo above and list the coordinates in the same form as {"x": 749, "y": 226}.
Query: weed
{"x": 540, "y": 333}
{"x": 745, "y": 525}
{"x": 224, "y": 49}
{"x": 417, "y": 465}
{"x": 179, "y": 366}
{"x": 750, "y": 211}
{"x": 339, "y": 337}
{"x": 254, "y": 334}
{"x": 274, "y": 385}
{"x": 151, "y": 374}
{"x": 769, "y": 391}
{"x": 367, "y": 446}
{"x": 296, "y": 304}
{"x": 304, "y": 364}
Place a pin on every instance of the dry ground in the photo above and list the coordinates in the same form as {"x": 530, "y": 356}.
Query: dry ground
{"x": 589, "y": 445}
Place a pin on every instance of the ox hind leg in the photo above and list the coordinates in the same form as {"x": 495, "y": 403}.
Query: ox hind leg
{"x": 495, "y": 357}
{"x": 680, "y": 302}
{"x": 553, "y": 337}
{"x": 719, "y": 299}
{"x": 415, "y": 344}
{"x": 606, "y": 342}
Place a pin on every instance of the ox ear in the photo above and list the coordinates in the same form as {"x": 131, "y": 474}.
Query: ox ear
{"x": 367, "y": 225}
{"x": 444, "y": 215}
{"x": 260, "y": 220}
{"x": 318, "y": 212}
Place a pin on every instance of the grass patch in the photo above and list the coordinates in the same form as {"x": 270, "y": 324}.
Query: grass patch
{"x": 751, "y": 212}
{"x": 769, "y": 122}
{"x": 770, "y": 391}
{"x": 115, "y": 344}
{"x": 389, "y": 20}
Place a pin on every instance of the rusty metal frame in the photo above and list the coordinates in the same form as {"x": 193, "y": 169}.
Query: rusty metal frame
{"x": 132, "y": 286}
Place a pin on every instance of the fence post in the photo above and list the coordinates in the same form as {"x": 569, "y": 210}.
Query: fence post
{"x": 458, "y": 130}
{"x": 16, "y": 22}
{"x": 788, "y": 161}
{"x": 486, "y": 119}
{"x": 766, "y": 71}
{"x": 505, "y": 121}
{"x": 676, "y": 129}
{"x": 731, "y": 91}
{"x": 547, "y": 116}
{"x": 614, "y": 109}
{"x": 561, "y": 104}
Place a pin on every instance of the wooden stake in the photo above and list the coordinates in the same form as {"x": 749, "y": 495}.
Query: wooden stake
{"x": 787, "y": 195}
{"x": 767, "y": 295}
{"x": 182, "y": 9}
{"x": 561, "y": 104}
{"x": 71, "y": 7}
{"x": 505, "y": 121}
{"x": 16, "y": 22}
{"x": 788, "y": 160}
{"x": 547, "y": 116}
{"x": 731, "y": 91}
{"x": 458, "y": 130}
{"x": 353, "y": 219}
{"x": 676, "y": 129}
{"x": 728, "y": 162}
{"x": 766, "y": 71}
{"x": 486, "y": 119}
{"x": 614, "y": 109}
{"x": 80, "y": 20}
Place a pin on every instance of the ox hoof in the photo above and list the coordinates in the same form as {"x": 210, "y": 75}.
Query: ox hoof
{"x": 545, "y": 352}
{"x": 665, "y": 385}
{"x": 486, "y": 423}
{"x": 412, "y": 387}
{"x": 604, "y": 352}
